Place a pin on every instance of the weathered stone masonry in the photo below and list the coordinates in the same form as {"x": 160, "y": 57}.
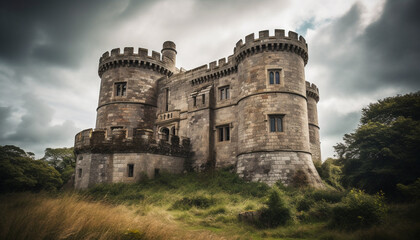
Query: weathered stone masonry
{"x": 253, "y": 110}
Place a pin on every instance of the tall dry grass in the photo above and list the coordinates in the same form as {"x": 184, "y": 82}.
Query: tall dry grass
{"x": 39, "y": 216}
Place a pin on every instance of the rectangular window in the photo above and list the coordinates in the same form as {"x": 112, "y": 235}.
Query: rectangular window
{"x": 130, "y": 168}
{"x": 224, "y": 133}
{"x": 194, "y": 101}
{"x": 203, "y": 99}
{"x": 79, "y": 173}
{"x": 276, "y": 123}
{"x": 224, "y": 93}
{"x": 167, "y": 100}
{"x": 120, "y": 89}
{"x": 274, "y": 76}
{"x": 157, "y": 170}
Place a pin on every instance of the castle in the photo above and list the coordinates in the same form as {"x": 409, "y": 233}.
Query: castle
{"x": 253, "y": 111}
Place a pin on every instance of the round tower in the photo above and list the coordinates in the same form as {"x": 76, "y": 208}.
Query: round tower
{"x": 169, "y": 54}
{"x": 128, "y": 93}
{"x": 273, "y": 134}
{"x": 312, "y": 94}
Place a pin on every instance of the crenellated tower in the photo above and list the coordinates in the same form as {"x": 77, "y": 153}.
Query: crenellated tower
{"x": 128, "y": 93}
{"x": 312, "y": 94}
{"x": 273, "y": 134}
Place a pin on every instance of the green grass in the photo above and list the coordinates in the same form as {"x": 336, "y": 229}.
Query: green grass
{"x": 206, "y": 206}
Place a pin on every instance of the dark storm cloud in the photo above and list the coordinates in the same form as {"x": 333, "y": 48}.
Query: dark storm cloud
{"x": 35, "y": 129}
{"x": 54, "y": 31}
{"x": 392, "y": 44}
{"x": 384, "y": 56}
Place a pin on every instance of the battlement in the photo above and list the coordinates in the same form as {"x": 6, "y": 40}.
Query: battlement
{"x": 129, "y": 58}
{"x": 97, "y": 141}
{"x": 212, "y": 70}
{"x": 279, "y": 42}
{"x": 312, "y": 91}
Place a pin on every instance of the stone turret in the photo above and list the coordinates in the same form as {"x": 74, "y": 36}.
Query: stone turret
{"x": 312, "y": 93}
{"x": 128, "y": 95}
{"x": 169, "y": 54}
{"x": 273, "y": 134}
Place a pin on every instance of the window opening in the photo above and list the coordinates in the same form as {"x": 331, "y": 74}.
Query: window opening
{"x": 224, "y": 93}
{"x": 80, "y": 173}
{"x": 224, "y": 133}
{"x": 167, "y": 100}
{"x": 120, "y": 89}
{"x": 130, "y": 168}
{"x": 157, "y": 172}
{"x": 194, "y": 101}
{"x": 276, "y": 123}
{"x": 203, "y": 99}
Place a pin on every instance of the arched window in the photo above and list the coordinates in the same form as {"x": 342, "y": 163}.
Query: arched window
{"x": 165, "y": 133}
{"x": 271, "y": 78}
{"x": 277, "y": 78}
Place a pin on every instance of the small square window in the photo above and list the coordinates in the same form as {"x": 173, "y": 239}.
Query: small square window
{"x": 224, "y": 93}
{"x": 120, "y": 89}
{"x": 224, "y": 133}
{"x": 276, "y": 123}
{"x": 130, "y": 168}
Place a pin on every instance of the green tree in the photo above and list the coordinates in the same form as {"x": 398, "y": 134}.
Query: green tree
{"x": 62, "y": 159}
{"x": 20, "y": 172}
{"x": 330, "y": 171}
{"x": 384, "y": 149}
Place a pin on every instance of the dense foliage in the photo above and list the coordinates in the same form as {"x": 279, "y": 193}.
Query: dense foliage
{"x": 20, "y": 172}
{"x": 384, "y": 150}
{"x": 63, "y": 160}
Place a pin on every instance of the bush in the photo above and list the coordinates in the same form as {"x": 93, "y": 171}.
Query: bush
{"x": 410, "y": 192}
{"x": 300, "y": 179}
{"x": 330, "y": 196}
{"x": 358, "y": 210}
{"x": 198, "y": 201}
{"x": 277, "y": 212}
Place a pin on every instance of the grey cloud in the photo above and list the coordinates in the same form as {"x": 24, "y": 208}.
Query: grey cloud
{"x": 337, "y": 124}
{"x": 384, "y": 56}
{"x": 35, "y": 130}
{"x": 55, "y": 31}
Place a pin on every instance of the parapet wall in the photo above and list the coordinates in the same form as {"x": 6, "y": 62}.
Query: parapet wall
{"x": 97, "y": 141}
{"x": 312, "y": 91}
{"x": 131, "y": 59}
{"x": 279, "y": 42}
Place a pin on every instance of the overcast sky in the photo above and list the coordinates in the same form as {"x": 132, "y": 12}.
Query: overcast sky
{"x": 359, "y": 52}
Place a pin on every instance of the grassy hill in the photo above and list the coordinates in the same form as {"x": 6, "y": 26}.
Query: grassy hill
{"x": 204, "y": 206}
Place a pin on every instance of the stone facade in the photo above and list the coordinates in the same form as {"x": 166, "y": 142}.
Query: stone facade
{"x": 253, "y": 110}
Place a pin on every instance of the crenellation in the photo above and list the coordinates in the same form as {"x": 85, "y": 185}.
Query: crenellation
{"x": 128, "y": 51}
{"x": 279, "y": 33}
{"x": 249, "y": 38}
{"x": 263, "y": 34}
{"x": 292, "y": 35}
{"x": 229, "y": 111}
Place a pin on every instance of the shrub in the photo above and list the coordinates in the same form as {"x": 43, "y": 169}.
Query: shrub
{"x": 358, "y": 210}
{"x": 198, "y": 201}
{"x": 277, "y": 212}
{"x": 300, "y": 179}
{"x": 330, "y": 196}
{"x": 411, "y": 191}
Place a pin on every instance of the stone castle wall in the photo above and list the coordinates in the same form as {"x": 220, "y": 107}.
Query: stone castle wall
{"x": 163, "y": 102}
